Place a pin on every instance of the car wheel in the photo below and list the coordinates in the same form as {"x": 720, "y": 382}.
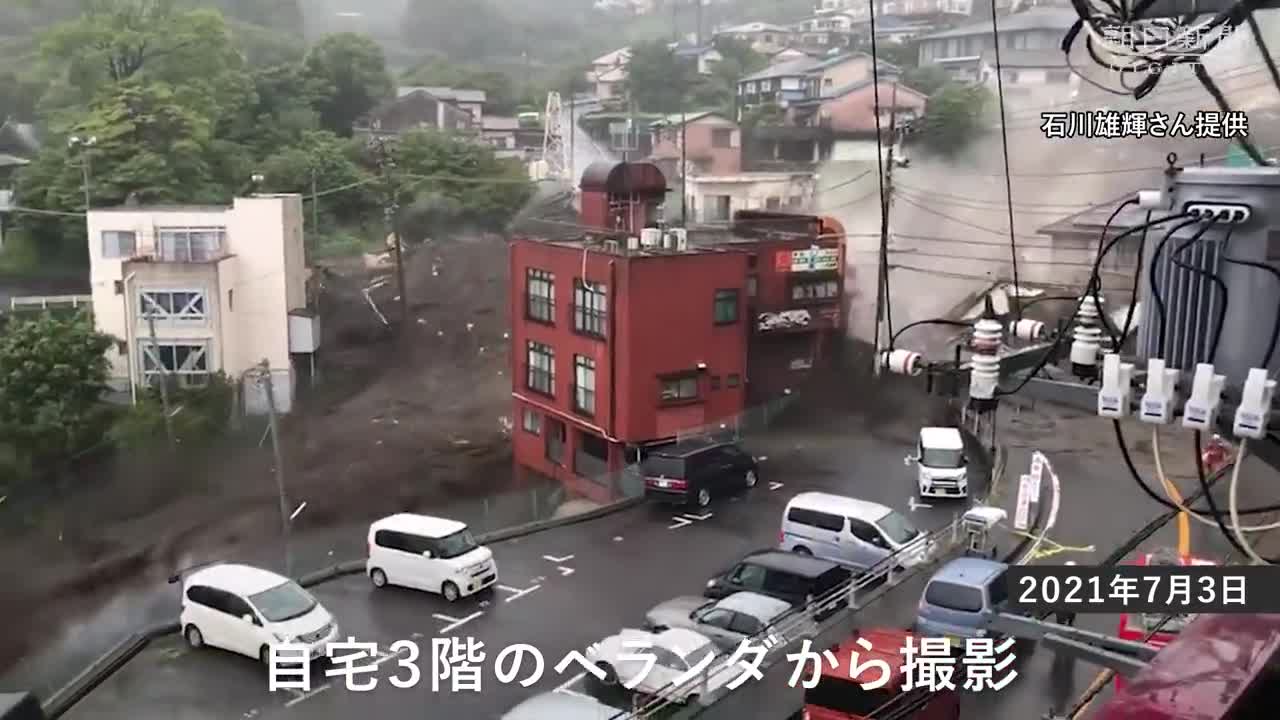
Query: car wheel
{"x": 264, "y": 655}
{"x": 450, "y": 592}
{"x": 802, "y": 550}
{"x": 751, "y": 479}
{"x": 195, "y": 640}
{"x": 704, "y": 497}
{"x": 378, "y": 578}
{"x": 610, "y": 678}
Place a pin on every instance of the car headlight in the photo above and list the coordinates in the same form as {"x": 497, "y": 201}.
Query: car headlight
{"x": 476, "y": 568}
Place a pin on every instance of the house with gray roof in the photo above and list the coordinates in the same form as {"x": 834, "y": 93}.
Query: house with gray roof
{"x": 472, "y": 101}
{"x": 960, "y": 50}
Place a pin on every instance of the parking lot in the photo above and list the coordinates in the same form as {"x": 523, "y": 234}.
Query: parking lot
{"x": 565, "y": 588}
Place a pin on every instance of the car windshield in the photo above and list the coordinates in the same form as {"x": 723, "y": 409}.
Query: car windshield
{"x": 283, "y": 602}
{"x": 951, "y": 596}
{"x": 664, "y": 466}
{"x": 897, "y": 528}
{"x": 939, "y": 458}
{"x": 459, "y": 543}
{"x": 847, "y": 697}
{"x": 697, "y": 657}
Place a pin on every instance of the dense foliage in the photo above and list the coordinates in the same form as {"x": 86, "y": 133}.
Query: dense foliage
{"x": 185, "y": 106}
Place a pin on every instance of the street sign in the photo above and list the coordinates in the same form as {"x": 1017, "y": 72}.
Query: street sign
{"x": 1022, "y": 514}
{"x": 1037, "y": 466}
{"x": 809, "y": 260}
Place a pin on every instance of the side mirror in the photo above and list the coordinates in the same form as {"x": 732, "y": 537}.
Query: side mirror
{"x": 249, "y": 619}
{"x": 711, "y": 583}
{"x": 910, "y": 460}
{"x": 427, "y": 554}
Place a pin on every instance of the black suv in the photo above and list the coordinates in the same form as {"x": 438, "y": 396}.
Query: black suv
{"x": 696, "y": 472}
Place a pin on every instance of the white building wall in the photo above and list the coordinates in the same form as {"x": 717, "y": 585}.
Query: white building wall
{"x": 248, "y": 292}
{"x": 749, "y": 193}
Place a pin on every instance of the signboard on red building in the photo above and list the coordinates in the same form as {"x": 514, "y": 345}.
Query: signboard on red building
{"x": 813, "y": 259}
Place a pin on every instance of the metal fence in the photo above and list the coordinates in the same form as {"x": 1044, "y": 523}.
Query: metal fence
{"x": 830, "y": 613}
{"x": 749, "y": 421}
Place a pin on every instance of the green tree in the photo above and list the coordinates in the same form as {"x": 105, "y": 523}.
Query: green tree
{"x": 204, "y": 416}
{"x": 118, "y": 40}
{"x": 19, "y": 94}
{"x": 148, "y": 145}
{"x": 283, "y": 108}
{"x": 53, "y": 371}
{"x": 445, "y": 171}
{"x": 329, "y": 157}
{"x": 927, "y": 79}
{"x": 657, "y": 80}
{"x": 354, "y": 70}
{"x": 954, "y": 117}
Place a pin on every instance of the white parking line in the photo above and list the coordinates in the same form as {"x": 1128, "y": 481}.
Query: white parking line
{"x": 384, "y": 656}
{"x": 557, "y": 560}
{"x": 455, "y": 623}
{"x": 517, "y": 592}
{"x": 300, "y": 696}
{"x": 564, "y": 686}
{"x": 679, "y": 522}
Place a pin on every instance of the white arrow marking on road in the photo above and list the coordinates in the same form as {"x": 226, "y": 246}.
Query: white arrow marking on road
{"x": 916, "y": 505}
{"x": 557, "y": 560}
{"x": 775, "y": 485}
{"x": 564, "y": 572}
{"x": 679, "y": 523}
{"x": 691, "y": 516}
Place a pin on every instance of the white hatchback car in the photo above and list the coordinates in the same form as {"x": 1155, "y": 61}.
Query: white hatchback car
{"x": 429, "y": 553}
{"x": 247, "y": 610}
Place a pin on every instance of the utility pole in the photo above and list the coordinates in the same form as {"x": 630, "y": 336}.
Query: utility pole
{"x": 315, "y": 203}
{"x": 684, "y": 180}
{"x": 391, "y": 209}
{"x": 697, "y": 32}
{"x": 164, "y": 377}
{"x": 882, "y": 281}
{"x": 264, "y": 381}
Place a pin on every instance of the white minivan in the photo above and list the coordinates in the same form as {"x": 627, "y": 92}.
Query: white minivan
{"x": 942, "y": 469}
{"x": 851, "y": 532}
{"x": 248, "y": 610}
{"x": 429, "y": 553}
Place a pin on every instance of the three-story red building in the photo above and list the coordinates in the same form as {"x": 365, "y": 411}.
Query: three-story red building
{"x": 626, "y": 337}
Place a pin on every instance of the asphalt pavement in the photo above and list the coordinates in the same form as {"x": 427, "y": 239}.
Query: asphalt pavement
{"x": 565, "y": 588}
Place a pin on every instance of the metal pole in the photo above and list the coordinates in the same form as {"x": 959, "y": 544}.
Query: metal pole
{"x": 315, "y": 204}
{"x": 684, "y": 187}
{"x": 84, "y": 165}
{"x": 264, "y": 379}
{"x": 164, "y": 379}
{"x": 882, "y": 282}
{"x": 573, "y": 132}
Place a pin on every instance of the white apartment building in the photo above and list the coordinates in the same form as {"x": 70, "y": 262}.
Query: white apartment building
{"x": 715, "y": 198}
{"x": 219, "y": 289}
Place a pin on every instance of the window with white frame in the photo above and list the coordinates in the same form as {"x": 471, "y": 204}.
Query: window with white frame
{"x": 188, "y": 306}
{"x": 584, "y": 384}
{"x": 590, "y": 307}
{"x": 540, "y": 296}
{"x": 185, "y": 361}
{"x": 190, "y": 244}
{"x": 119, "y": 243}
{"x": 532, "y": 421}
{"x": 541, "y": 361}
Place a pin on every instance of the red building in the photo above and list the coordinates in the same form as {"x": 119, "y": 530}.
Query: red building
{"x": 625, "y": 339}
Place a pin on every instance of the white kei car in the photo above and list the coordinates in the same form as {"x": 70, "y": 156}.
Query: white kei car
{"x": 676, "y": 651}
{"x": 247, "y": 610}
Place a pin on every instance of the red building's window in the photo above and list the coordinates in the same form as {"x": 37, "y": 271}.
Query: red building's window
{"x": 590, "y": 308}
{"x": 584, "y": 385}
{"x": 726, "y": 307}
{"x": 540, "y": 296}
{"x": 680, "y": 389}
{"x": 541, "y": 360}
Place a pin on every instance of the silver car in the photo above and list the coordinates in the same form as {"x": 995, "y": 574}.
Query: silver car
{"x": 561, "y": 705}
{"x": 730, "y": 620}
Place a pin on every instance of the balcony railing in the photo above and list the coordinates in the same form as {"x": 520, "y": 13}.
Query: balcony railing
{"x": 195, "y": 245}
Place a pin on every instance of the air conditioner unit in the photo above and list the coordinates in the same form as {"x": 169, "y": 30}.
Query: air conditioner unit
{"x": 681, "y": 237}
{"x": 650, "y": 237}
{"x": 668, "y": 241}
{"x": 611, "y": 246}
{"x": 633, "y": 243}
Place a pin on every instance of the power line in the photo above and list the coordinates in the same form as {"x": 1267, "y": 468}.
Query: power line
{"x": 1004, "y": 147}
{"x": 957, "y": 220}
{"x": 967, "y": 198}
{"x": 973, "y": 206}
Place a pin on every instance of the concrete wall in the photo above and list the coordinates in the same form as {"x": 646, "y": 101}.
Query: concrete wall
{"x": 748, "y": 193}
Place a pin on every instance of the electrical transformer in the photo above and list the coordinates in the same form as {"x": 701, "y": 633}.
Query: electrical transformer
{"x": 1246, "y": 203}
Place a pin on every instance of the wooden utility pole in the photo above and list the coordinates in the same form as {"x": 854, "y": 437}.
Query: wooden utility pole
{"x": 315, "y": 204}
{"x": 264, "y": 381}
{"x": 164, "y": 378}
{"x": 391, "y": 209}
{"x": 882, "y": 281}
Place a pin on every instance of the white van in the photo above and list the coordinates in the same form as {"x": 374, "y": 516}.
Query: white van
{"x": 941, "y": 466}
{"x": 429, "y": 553}
{"x": 852, "y": 532}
